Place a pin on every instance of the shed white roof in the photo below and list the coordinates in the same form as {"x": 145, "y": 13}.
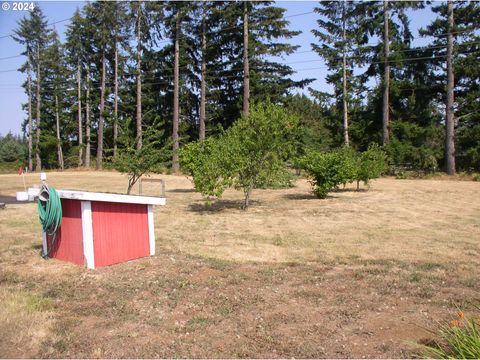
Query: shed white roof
{"x": 107, "y": 197}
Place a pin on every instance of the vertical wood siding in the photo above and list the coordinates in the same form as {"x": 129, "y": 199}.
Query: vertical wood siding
{"x": 120, "y": 232}
{"x": 69, "y": 242}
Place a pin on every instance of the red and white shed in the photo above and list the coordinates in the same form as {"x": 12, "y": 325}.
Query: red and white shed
{"x": 100, "y": 229}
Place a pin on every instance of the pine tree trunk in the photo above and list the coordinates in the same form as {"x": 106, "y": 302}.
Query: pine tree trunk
{"x": 449, "y": 121}
{"x": 59, "y": 144}
{"x": 203, "y": 85}
{"x": 139, "y": 88}
{"x": 80, "y": 127}
{"x": 386, "y": 76}
{"x": 246, "y": 70}
{"x": 38, "y": 165}
{"x": 30, "y": 135}
{"x": 87, "y": 121}
{"x": 101, "y": 117}
{"x": 345, "y": 105}
{"x": 175, "y": 163}
{"x": 115, "y": 104}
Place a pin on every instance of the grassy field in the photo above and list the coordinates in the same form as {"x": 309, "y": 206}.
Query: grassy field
{"x": 359, "y": 274}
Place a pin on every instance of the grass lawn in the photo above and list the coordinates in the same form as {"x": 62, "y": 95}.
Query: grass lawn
{"x": 359, "y": 274}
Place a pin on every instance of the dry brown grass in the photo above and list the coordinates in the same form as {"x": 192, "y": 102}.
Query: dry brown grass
{"x": 357, "y": 274}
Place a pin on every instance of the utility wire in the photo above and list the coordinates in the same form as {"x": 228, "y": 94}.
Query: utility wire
{"x": 164, "y": 82}
{"x": 290, "y": 63}
{"x": 53, "y": 23}
{"x": 11, "y": 57}
{"x": 250, "y": 23}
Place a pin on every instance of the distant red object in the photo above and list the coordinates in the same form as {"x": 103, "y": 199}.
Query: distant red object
{"x": 20, "y": 170}
{"x": 101, "y": 229}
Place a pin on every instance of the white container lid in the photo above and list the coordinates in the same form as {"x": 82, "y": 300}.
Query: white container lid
{"x": 22, "y": 196}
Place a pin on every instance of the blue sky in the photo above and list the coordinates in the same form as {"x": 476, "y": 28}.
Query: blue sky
{"x": 12, "y": 95}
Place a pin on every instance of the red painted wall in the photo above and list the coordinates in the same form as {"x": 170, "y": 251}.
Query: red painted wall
{"x": 69, "y": 242}
{"x": 120, "y": 232}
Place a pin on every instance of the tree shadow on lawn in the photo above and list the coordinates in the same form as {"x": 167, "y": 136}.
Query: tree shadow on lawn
{"x": 310, "y": 196}
{"x": 181, "y": 190}
{"x": 307, "y": 196}
{"x": 220, "y": 205}
{"x": 349, "y": 190}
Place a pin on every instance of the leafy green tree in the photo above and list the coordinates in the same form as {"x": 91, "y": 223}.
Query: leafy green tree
{"x": 248, "y": 152}
{"x": 135, "y": 161}
{"x": 258, "y": 143}
{"x": 206, "y": 162}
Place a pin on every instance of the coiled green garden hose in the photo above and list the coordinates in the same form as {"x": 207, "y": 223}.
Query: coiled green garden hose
{"x": 49, "y": 214}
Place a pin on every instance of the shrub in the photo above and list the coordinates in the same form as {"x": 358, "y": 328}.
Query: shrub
{"x": 373, "y": 164}
{"x": 458, "y": 340}
{"x": 327, "y": 170}
{"x": 331, "y": 169}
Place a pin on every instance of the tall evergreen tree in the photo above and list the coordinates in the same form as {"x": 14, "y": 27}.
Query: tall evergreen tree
{"x": 268, "y": 78}
{"x": 24, "y": 36}
{"x": 120, "y": 38}
{"x": 54, "y": 84}
{"x": 455, "y": 50}
{"x": 35, "y": 34}
{"x": 387, "y": 21}
{"x": 339, "y": 33}
{"x": 203, "y": 85}
{"x": 246, "y": 61}
{"x": 100, "y": 16}
{"x": 76, "y": 56}
{"x": 178, "y": 26}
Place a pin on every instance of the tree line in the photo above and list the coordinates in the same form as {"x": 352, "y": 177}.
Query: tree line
{"x": 190, "y": 69}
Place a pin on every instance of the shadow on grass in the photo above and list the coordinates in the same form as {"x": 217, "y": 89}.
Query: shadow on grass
{"x": 306, "y": 196}
{"x": 349, "y": 190}
{"x": 37, "y": 246}
{"x": 220, "y": 205}
{"x": 11, "y": 200}
{"x": 181, "y": 190}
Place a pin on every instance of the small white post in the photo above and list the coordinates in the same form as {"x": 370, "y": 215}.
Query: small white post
{"x": 151, "y": 230}
{"x": 87, "y": 232}
{"x": 44, "y": 243}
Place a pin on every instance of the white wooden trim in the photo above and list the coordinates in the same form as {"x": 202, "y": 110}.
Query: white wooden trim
{"x": 44, "y": 243}
{"x": 151, "y": 230}
{"x": 87, "y": 232}
{"x": 95, "y": 196}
